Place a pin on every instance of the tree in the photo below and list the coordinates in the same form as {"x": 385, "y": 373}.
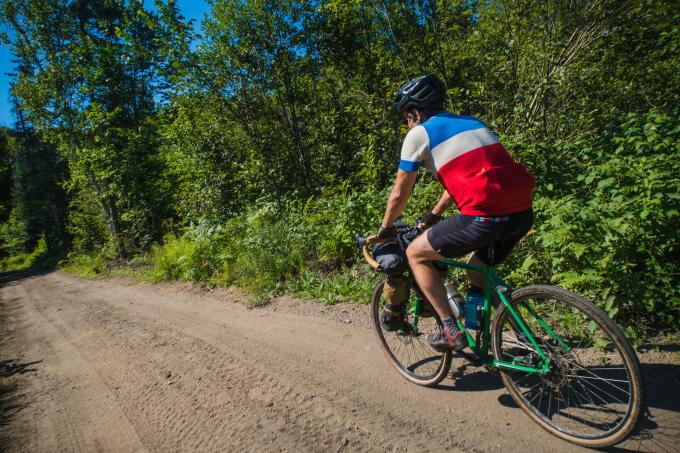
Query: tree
{"x": 90, "y": 76}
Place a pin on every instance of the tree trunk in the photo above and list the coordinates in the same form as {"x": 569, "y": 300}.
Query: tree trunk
{"x": 111, "y": 216}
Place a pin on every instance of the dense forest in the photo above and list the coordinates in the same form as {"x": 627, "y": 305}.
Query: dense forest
{"x": 251, "y": 154}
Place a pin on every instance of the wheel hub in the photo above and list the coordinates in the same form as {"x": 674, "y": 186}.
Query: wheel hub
{"x": 559, "y": 373}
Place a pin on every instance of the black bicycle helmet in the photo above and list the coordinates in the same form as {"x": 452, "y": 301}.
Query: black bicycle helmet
{"x": 421, "y": 93}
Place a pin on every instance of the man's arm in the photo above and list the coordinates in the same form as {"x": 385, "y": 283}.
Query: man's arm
{"x": 399, "y": 196}
{"x": 444, "y": 203}
{"x": 430, "y": 218}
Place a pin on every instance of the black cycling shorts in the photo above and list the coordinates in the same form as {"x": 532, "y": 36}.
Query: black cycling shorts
{"x": 462, "y": 234}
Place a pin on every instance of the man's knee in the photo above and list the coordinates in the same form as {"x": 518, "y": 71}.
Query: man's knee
{"x": 420, "y": 251}
{"x": 412, "y": 253}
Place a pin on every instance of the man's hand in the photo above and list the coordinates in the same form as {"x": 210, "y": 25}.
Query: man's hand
{"x": 428, "y": 219}
{"x": 384, "y": 234}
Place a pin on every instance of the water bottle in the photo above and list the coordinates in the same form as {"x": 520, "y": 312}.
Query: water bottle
{"x": 473, "y": 305}
{"x": 456, "y": 301}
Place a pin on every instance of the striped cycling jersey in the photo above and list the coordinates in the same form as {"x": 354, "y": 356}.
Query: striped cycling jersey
{"x": 470, "y": 163}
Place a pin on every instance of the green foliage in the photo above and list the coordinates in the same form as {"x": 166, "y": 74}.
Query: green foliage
{"x": 253, "y": 157}
{"x": 89, "y": 78}
{"x": 87, "y": 265}
{"x": 15, "y": 234}
{"x": 86, "y": 224}
{"x": 616, "y": 236}
{"x": 195, "y": 256}
{"x": 5, "y": 176}
{"x": 300, "y": 247}
{"x": 332, "y": 219}
{"x": 37, "y": 201}
{"x": 348, "y": 284}
{"x": 39, "y": 258}
{"x": 172, "y": 260}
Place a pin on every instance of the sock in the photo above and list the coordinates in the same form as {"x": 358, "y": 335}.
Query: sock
{"x": 450, "y": 323}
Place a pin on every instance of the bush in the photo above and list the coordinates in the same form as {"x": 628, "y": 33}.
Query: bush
{"x": 40, "y": 258}
{"x": 86, "y": 265}
{"x": 272, "y": 248}
{"x": 348, "y": 284}
{"x": 195, "y": 256}
{"x": 14, "y": 234}
{"x": 616, "y": 237}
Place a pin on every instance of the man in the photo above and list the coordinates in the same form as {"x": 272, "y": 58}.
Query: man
{"x": 492, "y": 192}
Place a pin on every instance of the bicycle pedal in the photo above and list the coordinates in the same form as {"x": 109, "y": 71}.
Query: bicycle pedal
{"x": 405, "y": 330}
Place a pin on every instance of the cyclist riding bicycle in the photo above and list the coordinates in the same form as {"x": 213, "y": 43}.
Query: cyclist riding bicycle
{"x": 491, "y": 191}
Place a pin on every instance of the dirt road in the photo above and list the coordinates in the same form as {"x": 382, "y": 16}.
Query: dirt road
{"x": 115, "y": 366}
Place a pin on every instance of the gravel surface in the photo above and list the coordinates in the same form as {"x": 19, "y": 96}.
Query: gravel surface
{"x": 112, "y": 365}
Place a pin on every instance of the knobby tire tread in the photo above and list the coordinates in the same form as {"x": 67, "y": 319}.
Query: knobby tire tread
{"x": 629, "y": 356}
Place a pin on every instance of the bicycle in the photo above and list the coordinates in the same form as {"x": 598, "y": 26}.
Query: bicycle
{"x": 561, "y": 358}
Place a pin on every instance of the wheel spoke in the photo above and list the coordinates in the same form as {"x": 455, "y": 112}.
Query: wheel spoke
{"x": 593, "y": 387}
{"x": 408, "y": 349}
{"x": 587, "y": 391}
{"x": 601, "y": 379}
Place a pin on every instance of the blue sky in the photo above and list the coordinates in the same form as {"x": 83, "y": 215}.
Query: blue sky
{"x": 191, "y": 9}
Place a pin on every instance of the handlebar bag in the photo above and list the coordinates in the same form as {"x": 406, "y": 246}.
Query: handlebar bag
{"x": 391, "y": 257}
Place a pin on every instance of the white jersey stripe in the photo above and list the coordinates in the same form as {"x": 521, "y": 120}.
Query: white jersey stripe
{"x": 460, "y": 144}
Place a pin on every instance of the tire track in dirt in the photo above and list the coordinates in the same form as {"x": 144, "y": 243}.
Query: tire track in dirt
{"x": 69, "y": 389}
{"x": 129, "y": 367}
{"x": 306, "y": 415}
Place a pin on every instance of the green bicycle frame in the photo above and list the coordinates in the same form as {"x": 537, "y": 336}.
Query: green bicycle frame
{"x": 495, "y": 283}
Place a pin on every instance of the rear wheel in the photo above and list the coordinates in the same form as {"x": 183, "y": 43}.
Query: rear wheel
{"x": 593, "y": 394}
{"x": 407, "y": 349}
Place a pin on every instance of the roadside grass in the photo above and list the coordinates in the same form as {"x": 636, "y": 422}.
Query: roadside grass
{"x": 215, "y": 256}
{"x": 353, "y": 284}
{"x": 184, "y": 260}
{"x": 88, "y": 266}
{"x": 39, "y": 258}
{"x": 99, "y": 266}
{"x": 172, "y": 263}
{"x": 212, "y": 265}
{"x": 306, "y": 248}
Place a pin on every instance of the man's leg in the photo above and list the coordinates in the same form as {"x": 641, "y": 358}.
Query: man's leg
{"x": 420, "y": 257}
{"x": 476, "y": 279}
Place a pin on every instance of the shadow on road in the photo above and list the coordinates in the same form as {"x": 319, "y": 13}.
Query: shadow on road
{"x": 13, "y": 277}
{"x": 11, "y": 400}
{"x": 659, "y": 427}
{"x": 657, "y": 431}
{"x": 469, "y": 378}
{"x": 10, "y": 368}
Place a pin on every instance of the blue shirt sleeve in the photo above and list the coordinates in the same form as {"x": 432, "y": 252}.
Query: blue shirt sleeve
{"x": 407, "y": 165}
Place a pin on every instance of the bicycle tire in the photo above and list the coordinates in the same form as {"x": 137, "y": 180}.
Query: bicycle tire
{"x": 577, "y": 384}
{"x": 409, "y": 353}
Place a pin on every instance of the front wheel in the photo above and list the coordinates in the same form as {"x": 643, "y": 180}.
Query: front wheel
{"x": 593, "y": 393}
{"x": 406, "y": 349}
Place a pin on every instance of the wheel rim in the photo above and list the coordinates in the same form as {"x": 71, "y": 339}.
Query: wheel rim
{"x": 588, "y": 391}
{"x": 408, "y": 348}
